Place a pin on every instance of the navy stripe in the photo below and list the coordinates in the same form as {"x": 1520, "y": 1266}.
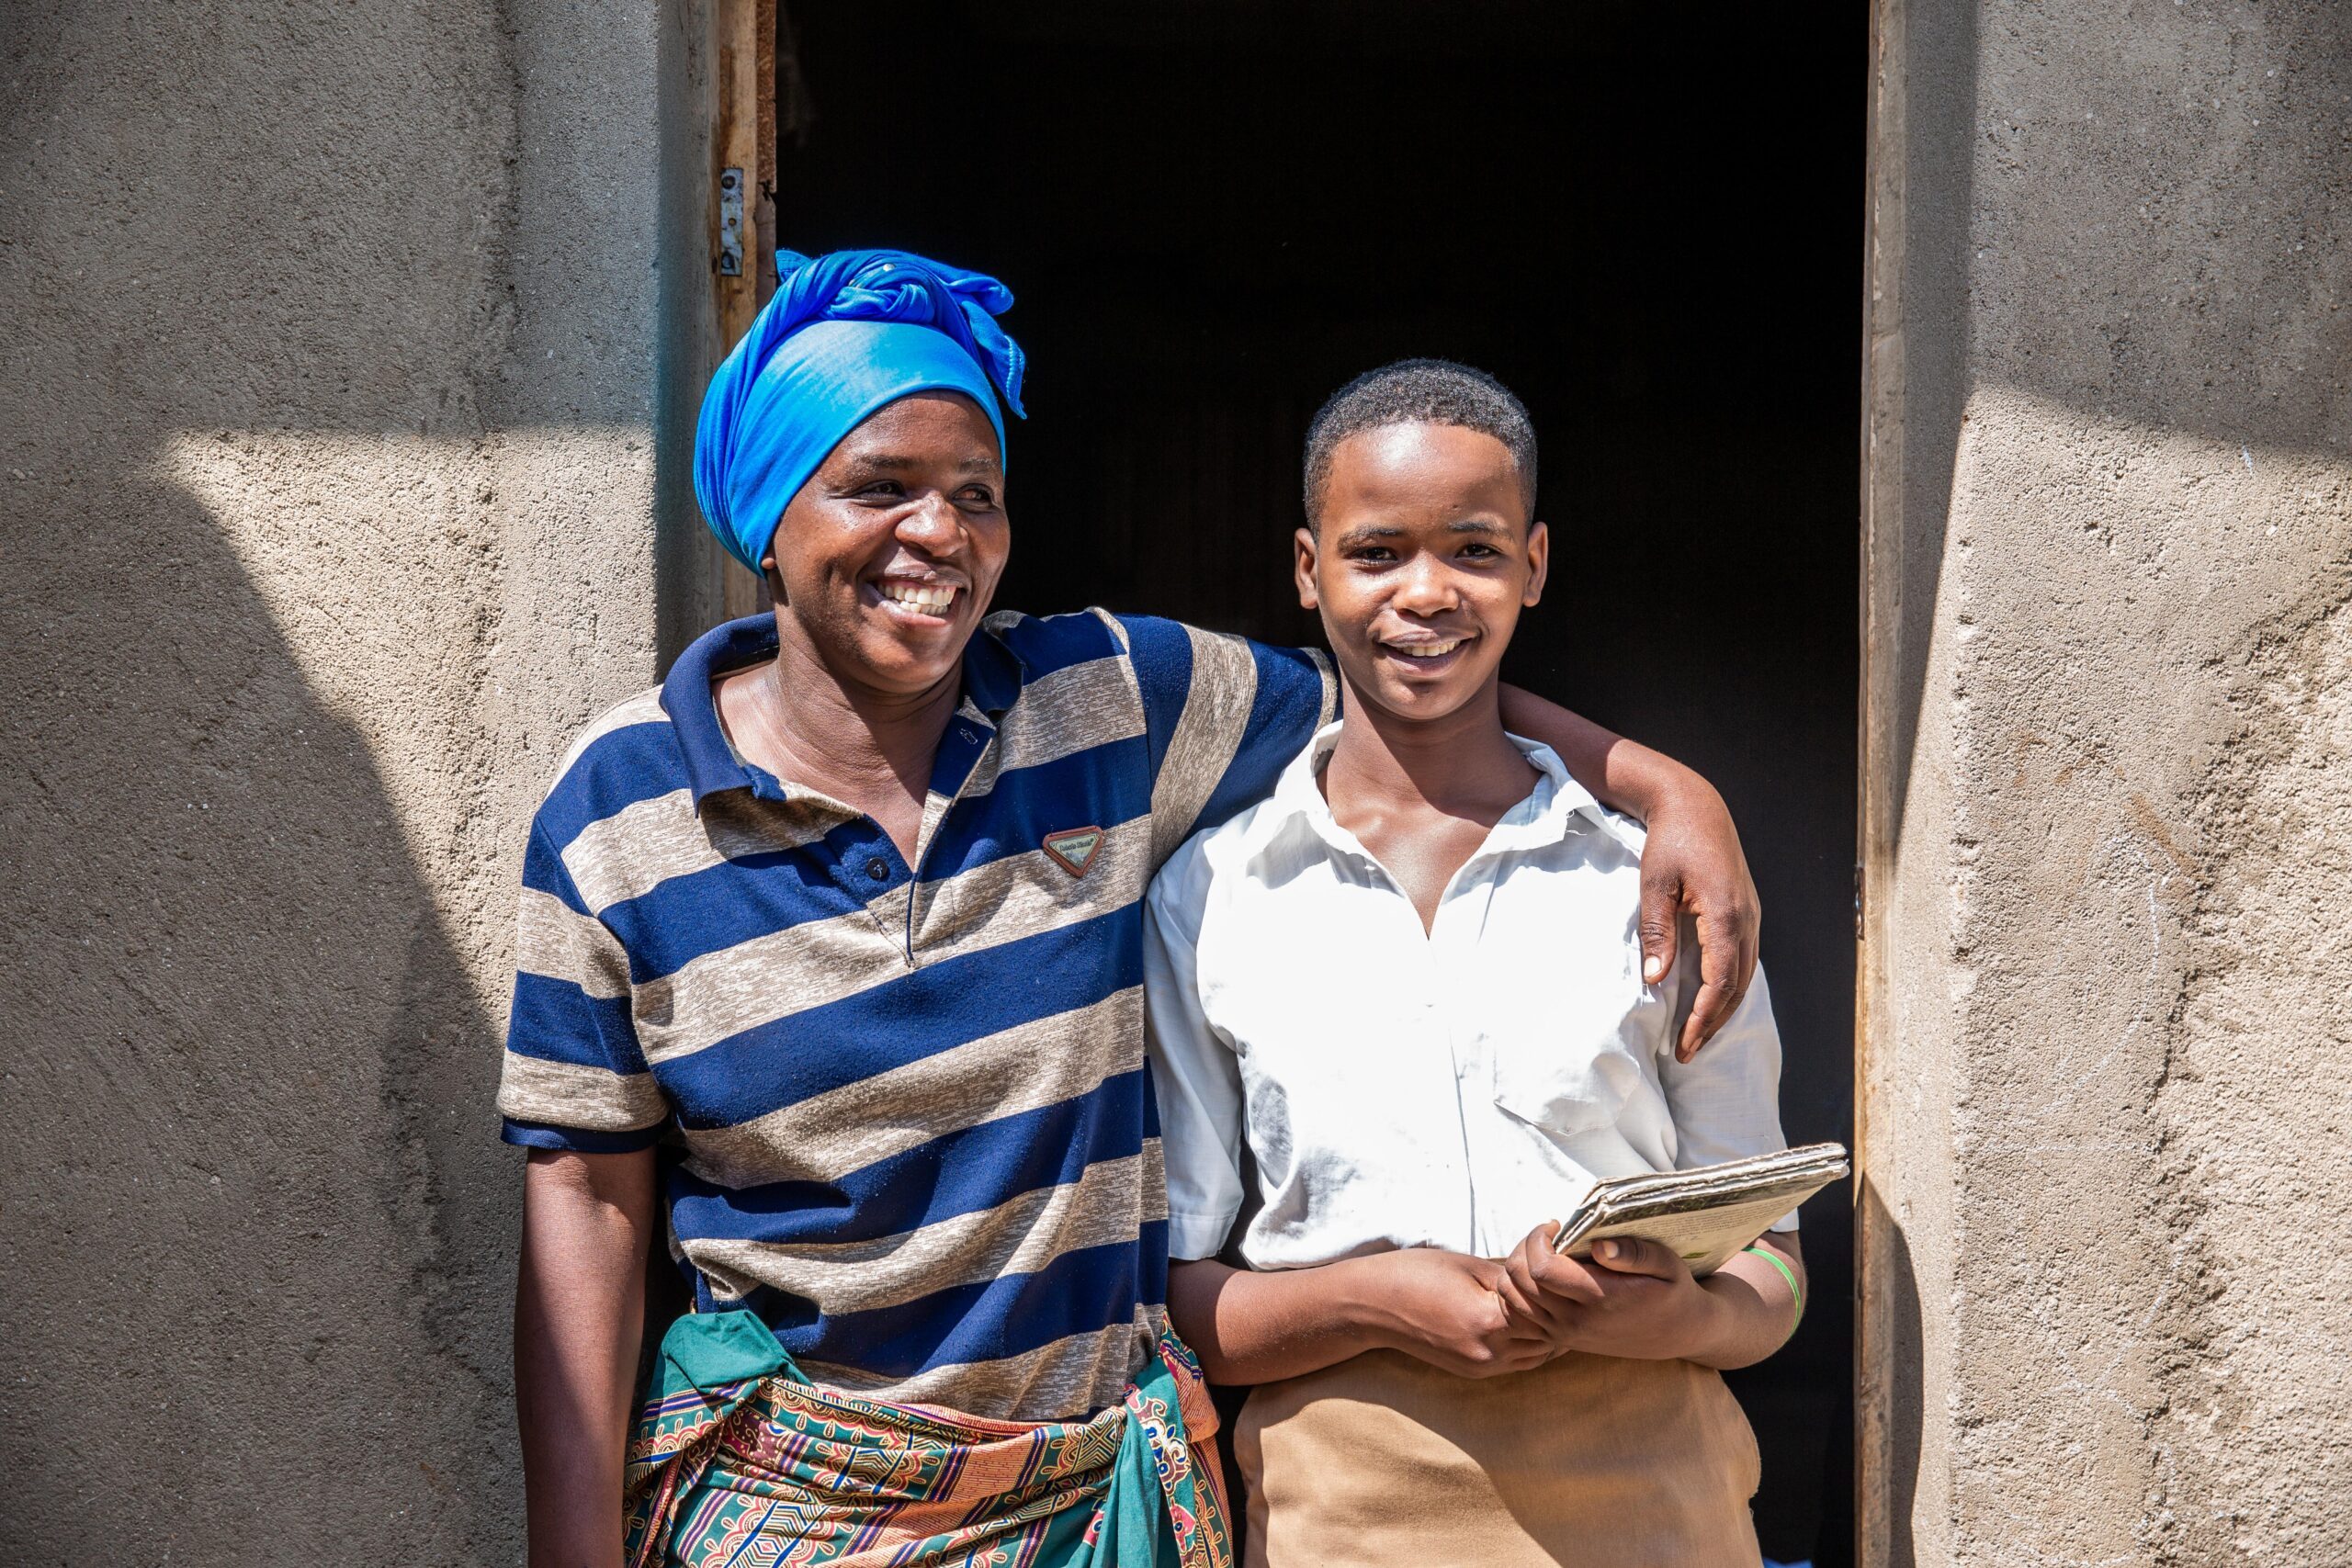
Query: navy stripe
{"x": 1284, "y": 717}
{"x": 1083, "y": 1292}
{"x": 555, "y": 1020}
{"x": 1056, "y": 642}
{"x": 637, "y": 762}
{"x": 967, "y": 1172}
{"x": 1163, "y": 666}
{"x": 543, "y": 871}
{"x": 1101, "y": 786}
{"x": 578, "y": 1139}
{"x": 681, "y": 918}
{"x": 904, "y": 1019}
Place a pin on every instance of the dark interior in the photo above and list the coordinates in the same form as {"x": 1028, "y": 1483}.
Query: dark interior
{"x": 1645, "y": 218}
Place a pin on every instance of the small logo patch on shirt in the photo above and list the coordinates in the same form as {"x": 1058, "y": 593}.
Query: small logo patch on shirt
{"x": 1074, "y": 849}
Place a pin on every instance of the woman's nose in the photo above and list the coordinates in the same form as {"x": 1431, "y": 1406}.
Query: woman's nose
{"x": 932, "y": 523}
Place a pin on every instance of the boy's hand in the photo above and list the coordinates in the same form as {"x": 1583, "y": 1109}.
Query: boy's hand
{"x": 1442, "y": 1308}
{"x": 1634, "y": 1299}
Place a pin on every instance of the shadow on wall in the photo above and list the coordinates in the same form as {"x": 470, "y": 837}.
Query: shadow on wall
{"x": 256, "y": 1227}
{"x": 255, "y": 1224}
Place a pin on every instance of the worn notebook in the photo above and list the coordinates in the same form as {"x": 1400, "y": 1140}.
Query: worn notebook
{"x": 1705, "y": 1214}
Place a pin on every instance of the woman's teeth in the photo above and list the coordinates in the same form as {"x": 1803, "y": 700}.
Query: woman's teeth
{"x": 928, "y": 597}
{"x": 1426, "y": 650}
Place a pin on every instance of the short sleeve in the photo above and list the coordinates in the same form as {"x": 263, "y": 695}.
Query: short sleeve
{"x": 574, "y": 1077}
{"x": 1726, "y": 1100}
{"x": 1223, "y": 716}
{"x": 1194, "y": 1074}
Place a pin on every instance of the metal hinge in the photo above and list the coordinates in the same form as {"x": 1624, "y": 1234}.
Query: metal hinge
{"x": 1859, "y": 885}
{"x": 730, "y": 223}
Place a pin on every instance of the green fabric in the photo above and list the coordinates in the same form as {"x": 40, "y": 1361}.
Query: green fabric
{"x": 709, "y": 1350}
{"x": 1135, "y": 1531}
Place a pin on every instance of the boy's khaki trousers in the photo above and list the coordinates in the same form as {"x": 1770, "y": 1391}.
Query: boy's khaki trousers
{"x": 1589, "y": 1459}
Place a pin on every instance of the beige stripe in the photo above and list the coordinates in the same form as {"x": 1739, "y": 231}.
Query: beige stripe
{"x": 829, "y": 1135}
{"x": 1217, "y": 713}
{"x": 566, "y": 1095}
{"x": 561, "y": 944}
{"x": 1020, "y": 1235}
{"x": 1063, "y": 1381}
{"x": 770, "y": 977}
{"x": 1034, "y": 891}
{"x": 643, "y": 708}
{"x": 649, "y": 842}
{"x": 1086, "y": 705}
{"x": 636, "y": 848}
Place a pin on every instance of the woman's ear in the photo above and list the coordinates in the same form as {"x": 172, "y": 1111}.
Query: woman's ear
{"x": 1539, "y": 562}
{"x": 774, "y": 576}
{"x": 1302, "y": 553}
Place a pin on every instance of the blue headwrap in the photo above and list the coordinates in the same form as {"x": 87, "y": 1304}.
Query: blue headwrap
{"x": 845, "y": 333}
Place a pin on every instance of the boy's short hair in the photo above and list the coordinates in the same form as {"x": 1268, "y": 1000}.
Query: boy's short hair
{"x": 1418, "y": 391}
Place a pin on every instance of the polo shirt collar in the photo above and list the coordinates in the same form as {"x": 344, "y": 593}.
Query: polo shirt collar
{"x": 992, "y": 679}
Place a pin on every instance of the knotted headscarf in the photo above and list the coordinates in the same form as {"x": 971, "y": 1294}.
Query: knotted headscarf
{"x": 847, "y": 333}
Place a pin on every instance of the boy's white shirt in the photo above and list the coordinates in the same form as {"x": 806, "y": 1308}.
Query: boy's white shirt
{"x": 1453, "y": 1090}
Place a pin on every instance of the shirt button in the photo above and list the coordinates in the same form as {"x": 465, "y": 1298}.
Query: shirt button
{"x": 878, "y": 869}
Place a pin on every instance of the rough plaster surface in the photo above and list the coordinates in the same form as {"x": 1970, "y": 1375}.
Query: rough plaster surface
{"x": 2110, "y": 1050}
{"x": 339, "y": 341}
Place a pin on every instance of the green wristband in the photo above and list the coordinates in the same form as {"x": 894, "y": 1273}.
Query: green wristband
{"x": 1790, "y": 1275}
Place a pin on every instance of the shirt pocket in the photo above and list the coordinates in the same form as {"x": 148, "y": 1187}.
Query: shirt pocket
{"x": 1568, "y": 1085}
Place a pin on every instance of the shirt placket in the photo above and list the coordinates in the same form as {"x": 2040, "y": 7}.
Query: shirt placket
{"x": 967, "y": 738}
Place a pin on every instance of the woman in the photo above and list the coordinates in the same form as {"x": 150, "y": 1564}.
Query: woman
{"x": 845, "y": 916}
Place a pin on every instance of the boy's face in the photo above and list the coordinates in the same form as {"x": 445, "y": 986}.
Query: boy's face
{"x": 1424, "y": 557}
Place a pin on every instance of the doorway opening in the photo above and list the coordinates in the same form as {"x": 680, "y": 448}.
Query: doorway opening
{"x": 1644, "y": 221}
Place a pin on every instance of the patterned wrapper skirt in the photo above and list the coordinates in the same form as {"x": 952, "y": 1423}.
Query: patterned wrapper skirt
{"x": 739, "y": 1461}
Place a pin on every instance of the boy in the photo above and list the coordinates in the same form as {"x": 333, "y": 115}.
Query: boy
{"x": 1411, "y": 980}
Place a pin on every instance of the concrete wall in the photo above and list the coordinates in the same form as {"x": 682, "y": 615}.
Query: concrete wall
{"x": 2109, "y": 821}
{"x": 342, "y": 343}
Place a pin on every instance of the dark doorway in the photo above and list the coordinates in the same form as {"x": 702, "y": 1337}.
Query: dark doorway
{"x": 1645, "y": 218}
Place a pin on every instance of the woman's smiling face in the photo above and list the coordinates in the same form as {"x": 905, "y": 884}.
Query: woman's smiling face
{"x": 888, "y": 556}
{"x": 1422, "y": 558}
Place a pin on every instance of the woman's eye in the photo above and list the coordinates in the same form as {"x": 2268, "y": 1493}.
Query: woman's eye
{"x": 974, "y": 496}
{"x": 883, "y": 487}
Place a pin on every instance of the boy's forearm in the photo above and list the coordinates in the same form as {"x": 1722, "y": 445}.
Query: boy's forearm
{"x": 1251, "y": 1328}
{"x": 579, "y": 1313}
{"x": 1756, "y": 1309}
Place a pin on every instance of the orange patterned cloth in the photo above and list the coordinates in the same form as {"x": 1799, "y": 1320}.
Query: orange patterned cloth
{"x": 736, "y": 1467}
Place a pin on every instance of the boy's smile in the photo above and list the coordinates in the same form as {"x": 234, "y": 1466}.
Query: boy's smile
{"x": 1422, "y": 557}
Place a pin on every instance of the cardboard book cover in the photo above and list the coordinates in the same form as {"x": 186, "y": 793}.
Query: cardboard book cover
{"x": 1708, "y": 1213}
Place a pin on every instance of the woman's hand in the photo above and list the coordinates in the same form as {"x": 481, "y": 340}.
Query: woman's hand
{"x": 1693, "y": 864}
{"x": 1446, "y": 1309}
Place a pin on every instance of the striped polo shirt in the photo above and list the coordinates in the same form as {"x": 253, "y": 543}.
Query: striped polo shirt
{"x": 904, "y": 1109}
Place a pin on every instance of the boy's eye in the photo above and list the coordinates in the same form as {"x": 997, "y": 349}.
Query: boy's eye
{"x": 1376, "y": 554}
{"x": 1477, "y": 551}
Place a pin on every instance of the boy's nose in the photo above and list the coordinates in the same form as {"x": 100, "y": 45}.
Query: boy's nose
{"x": 1427, "y": 589}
